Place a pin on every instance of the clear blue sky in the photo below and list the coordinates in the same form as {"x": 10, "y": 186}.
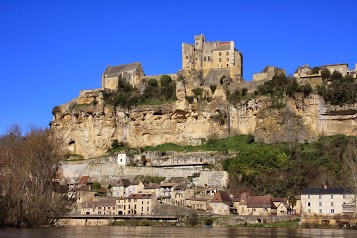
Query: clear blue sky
{"x": 50, "y": 50}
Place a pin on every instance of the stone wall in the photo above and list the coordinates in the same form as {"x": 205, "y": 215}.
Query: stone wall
{"x": 103, "y": 171}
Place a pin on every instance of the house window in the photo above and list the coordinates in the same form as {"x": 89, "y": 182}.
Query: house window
{"x": 331, "y": 196}
{"x": 309, "y": 210}
{"x": 308, "y": 196}
{"x": 344, "y": 196}
{"x": 309, "y": 204}
{"x": 227, "y": 53}
{"x": 204, "y": 58}
{"x": 227, "y": 59}
{"x": 320, "y": 196}
{"x": 220, "y": 53}
{"x": 208, "y": 58}
{"x": 320, "y": 204}
{"x": 332, "y": 210}
{"x": 220, "y": 60}
{"x": 331, "y": 204}
{"x": 320, "y": 210}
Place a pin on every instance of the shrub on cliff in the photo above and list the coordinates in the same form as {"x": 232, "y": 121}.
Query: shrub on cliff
{"x": 340, "y": 91}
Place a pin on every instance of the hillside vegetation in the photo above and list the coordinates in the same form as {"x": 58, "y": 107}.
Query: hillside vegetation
{"x": 280, "y": 169}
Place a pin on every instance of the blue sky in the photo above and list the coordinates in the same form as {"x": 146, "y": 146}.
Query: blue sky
{"x": 50, "y": 50}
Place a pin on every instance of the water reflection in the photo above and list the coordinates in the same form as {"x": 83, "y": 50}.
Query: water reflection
{"x": 172, "y": 232}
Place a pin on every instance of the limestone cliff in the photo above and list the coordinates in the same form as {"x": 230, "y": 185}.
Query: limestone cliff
{"x": 89, "y": 125}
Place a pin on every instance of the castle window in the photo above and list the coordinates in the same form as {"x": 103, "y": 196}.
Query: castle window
{"x": 220, "y": 60}
{"x": 204, "y": 58}
{"x": 208, "y": 58}
{"x": 227, "y": 53}
{"x": 220, "y": 53}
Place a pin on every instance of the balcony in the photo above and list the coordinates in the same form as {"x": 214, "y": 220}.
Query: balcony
{"x": 348, "y": 208}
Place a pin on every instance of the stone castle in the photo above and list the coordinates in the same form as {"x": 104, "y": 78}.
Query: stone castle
{"x": 212, "y": 59}
{"x": 89, "y": 125}
{"x": 208, "y": 56}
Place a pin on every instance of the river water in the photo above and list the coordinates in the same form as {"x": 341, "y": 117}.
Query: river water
{"x": 172, "y": 232}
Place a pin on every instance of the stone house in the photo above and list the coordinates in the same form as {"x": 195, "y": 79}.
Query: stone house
{"x": 204, "y": 55}
{"x": 179, "y": 194}
{"x": 342, "y": 68}
{"x": 152, "y": 188}
{"x": 327, "y": 201}
{"x": 282, "y": 206}
{"x": 302, "y": 71}
{"x": 268, "y": 73}
{"x": 103, "y": 206}
{"x": 123, "y": 188}
{"x": 123, "y": 159}
{"x": 221, "y": 203}
{"x": 136, "y": 204}
{"x": 166, "y": 192}
{"x": 197, "y": 203}
{"x": 256, "y": 205}
{"x": 132, "y": 73}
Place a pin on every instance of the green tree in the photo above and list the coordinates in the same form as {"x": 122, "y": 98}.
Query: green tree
{"x": 307, "y": 89}
{"x": 325, "y": 74}
{"x": 96, "y": 186}
{"x": 336, "y": 75}
{"x": 315, "y": 70}
{"x": 213, "y": 88}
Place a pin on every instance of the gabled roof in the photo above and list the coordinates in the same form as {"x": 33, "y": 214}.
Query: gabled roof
{"x": 151, "y": 186}
{"x": 322, "y": 191}
{"x": 221, "y": 197}
{"x": 167, "y": 184}
{"x": 181, "y": 186}
{"x": 283, "y": 204}
{"x": 115, "y": 71}
{"x": 123, "y": 183}
{"x": 280, "y": 200}
{"x": 83, "y": 180}
{"x": 260, "y": 202}
{"x": 106, "y": 202}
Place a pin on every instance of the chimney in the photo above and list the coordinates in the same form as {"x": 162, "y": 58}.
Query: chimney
{"x": 325, "y": 186}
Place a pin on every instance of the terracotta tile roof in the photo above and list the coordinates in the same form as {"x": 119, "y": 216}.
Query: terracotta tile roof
{"x": 221, "y": 197}
{"x": 83, "y": 180}
{"x": 260, "y": 202}
{"x": 280, "y": 200}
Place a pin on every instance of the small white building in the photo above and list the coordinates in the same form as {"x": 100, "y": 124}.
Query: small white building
{"x": 123, "y": 159}
{"x": 327, "y": 201}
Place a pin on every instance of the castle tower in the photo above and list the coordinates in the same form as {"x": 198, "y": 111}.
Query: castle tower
{"x": 206, "y": 56}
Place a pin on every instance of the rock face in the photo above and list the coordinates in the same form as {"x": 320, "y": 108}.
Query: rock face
{"x": 89, "y": 125}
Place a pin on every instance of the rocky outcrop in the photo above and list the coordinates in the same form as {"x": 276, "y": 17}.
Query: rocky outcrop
{"x": 88, "y": 124}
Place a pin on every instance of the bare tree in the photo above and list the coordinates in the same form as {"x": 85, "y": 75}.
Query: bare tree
{"x": 28, "y": 195}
